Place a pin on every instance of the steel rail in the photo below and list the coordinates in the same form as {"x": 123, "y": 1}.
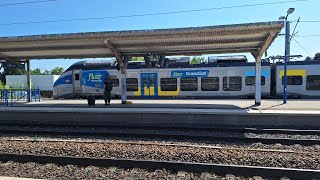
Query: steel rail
{"x": 162, "y": 144}
{"x": 219, "y": 169}
{"x": 206, "y": 138}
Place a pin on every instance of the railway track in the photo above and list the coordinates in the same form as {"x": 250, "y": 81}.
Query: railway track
{"x": 162, "y": 144}
{"x": 247, "y": 135}
{"x": 165, "y": 152}
{"x": 220, "y": 169}
{"x": 169, "y": 163}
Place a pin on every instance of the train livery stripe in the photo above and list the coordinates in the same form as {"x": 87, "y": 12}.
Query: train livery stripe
{"x": 64, "y": 80}
{"x": 137, "y": 93}
{"x": 146, "y": 91}
{"x": 296, "y": 72}
{"x": 168, "y": 93}
{"x": 151, "y": 91}
{"x": 265, "y": 73}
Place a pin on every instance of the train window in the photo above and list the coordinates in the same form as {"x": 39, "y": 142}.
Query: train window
{"x": 251, "y": 80}
{"x": 189, "y": 84}
{"x": 168, "y": 84}
{"x": 77, "y": 77}
{"x": 210, "y": 84}
{"x": 145, "y": 81}
{"x": 153, "y": 80}
{"x": 293, "y": 80}
{"x": 232, "y": 83}
{"x": 313, "y": 82}
{"x": 115, "y": 82}
{"x": 132, "y": 84}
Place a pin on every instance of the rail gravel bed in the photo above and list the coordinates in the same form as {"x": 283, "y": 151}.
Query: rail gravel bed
{"x": 170, "y": 134}
{"x": 57, "y": 172}
{"x": 296, "y": 147}
{"x": 166, "y": 153}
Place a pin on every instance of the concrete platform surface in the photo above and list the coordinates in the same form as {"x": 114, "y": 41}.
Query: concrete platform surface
{"x": 180, "y": 113}
{"x": 239, "y": 104}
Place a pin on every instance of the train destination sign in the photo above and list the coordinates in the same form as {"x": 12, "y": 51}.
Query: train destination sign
{"x": 189, "y": 73}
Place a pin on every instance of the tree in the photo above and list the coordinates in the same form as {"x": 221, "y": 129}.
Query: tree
{"x": 36, "y": 71}
{"x": 197, "y": 60}
{"x": 317, "y": 57}
{"x": 57, "y": 71}
{"x": 46, "y": 72}
{"x": 308, "y": 58}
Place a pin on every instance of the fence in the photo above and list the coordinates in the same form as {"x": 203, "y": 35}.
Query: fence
{"x": 9, "y": 97}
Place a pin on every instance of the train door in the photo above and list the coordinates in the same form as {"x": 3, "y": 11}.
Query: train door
{"x": 77, "y": 84}
{"x": 149, "y": 84}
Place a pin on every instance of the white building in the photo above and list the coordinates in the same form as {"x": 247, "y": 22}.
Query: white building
{"x": 42, "y": 82}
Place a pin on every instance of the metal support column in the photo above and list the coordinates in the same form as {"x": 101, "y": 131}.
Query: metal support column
{"x": 123, "y": 69}
{"x": 28, "y": 81}
{"x": 258, "y": 83}
{"x": 286, "y": 56}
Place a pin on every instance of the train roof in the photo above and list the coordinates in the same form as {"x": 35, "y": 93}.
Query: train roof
{"x": 103, "y": 64}
{"x": 228, "y": 64}
{"x": 222, "y": 59}
{"x": 299, "y": 62}
{"x": 93, "y": 65}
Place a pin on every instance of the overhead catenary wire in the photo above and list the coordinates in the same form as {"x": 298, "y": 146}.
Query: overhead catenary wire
{"x": 302, "y": 46}
{"x": 151, "y": 14}
{"x": 313, "y": 35}
{"x": 311, "y": 21}
{"x": 294, "y": 30}
{"x": 27, "y": 2}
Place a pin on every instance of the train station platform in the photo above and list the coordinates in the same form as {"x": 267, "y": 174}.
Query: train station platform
{"x": 234, "y": 104}
{"x": 295, "y": 114}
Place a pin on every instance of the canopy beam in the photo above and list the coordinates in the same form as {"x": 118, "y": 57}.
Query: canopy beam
{"x": 264, "y": 46}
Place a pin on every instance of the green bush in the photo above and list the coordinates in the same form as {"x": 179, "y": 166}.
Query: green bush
{"x": 3, "y": 86}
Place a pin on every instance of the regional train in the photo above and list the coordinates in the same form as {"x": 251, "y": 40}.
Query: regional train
{"x": 180, "y": 79}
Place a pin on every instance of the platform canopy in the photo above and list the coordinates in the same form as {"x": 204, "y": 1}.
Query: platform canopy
{"x": 239, "y": 38}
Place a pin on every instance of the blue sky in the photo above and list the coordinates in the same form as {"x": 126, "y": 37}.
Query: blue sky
{"x": 71, "y": 9}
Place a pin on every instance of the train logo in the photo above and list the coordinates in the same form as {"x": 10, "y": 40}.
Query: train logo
{"x": 93, "y": 77}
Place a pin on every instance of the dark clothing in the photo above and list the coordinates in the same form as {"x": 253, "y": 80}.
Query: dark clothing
{"x": 107, "y": 97}
{"x": 108, "y": 85}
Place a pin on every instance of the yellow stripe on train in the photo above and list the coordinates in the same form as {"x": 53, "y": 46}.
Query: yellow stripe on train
{"x": 137, "y": 93}
{"x": 169, "y": 93}
{"x": 295, "y": 72}
{"x": 160, "y": 93}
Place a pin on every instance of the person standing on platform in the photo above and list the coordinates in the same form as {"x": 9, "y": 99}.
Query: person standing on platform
{"x": 108, "y": 85}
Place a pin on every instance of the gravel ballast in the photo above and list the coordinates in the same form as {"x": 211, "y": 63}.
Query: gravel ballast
{"x": 296, "y": 147}
{"x": 54, "y": 171}
{"x": 166, "y": 153}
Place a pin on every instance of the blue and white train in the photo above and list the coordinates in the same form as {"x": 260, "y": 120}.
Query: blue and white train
{"x": 182, "y": 79}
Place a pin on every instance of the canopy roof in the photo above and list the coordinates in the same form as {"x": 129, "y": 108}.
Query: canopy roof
{"x": 238, "y": 38}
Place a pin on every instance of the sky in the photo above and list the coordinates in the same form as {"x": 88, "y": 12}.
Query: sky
{"x": 74, "y": 9}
